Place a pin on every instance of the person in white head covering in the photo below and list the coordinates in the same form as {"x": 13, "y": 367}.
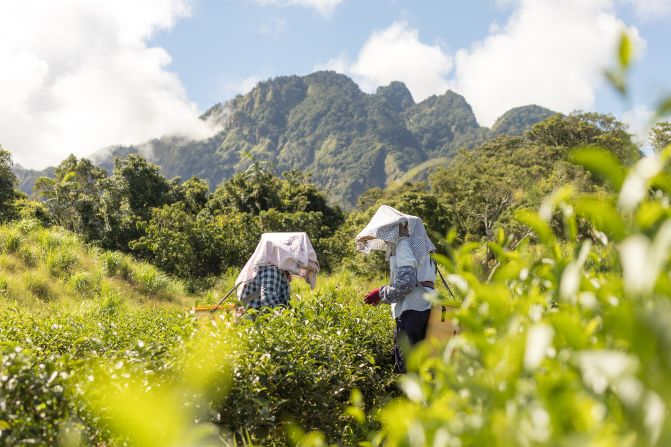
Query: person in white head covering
{"x": 264, "y": 280}
{"x": 413, "y": 274}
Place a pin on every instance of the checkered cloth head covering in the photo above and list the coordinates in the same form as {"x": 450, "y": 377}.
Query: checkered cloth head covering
{"x": 383, "y": 229}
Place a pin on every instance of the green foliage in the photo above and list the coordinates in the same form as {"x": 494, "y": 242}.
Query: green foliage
{"x": 85, "y": 284}
{"x": 483, "y": 187}
{"x": 33, "y": 210}
{"x": 38, "y": 286}
{"x": 252, "y": 191}
{"x": 324, "y": 345}
{"x": 194, "y": 193}
{"x": 224, "y": 230}
{"x": 114, "y": 263}
{"x": 72, "y": 196}
{"x": 618, "y": 76}
{"x": 108, "y": 373}
{"x": 150, "y": 281}
{"x": 566, "y": 342}
{"x": 660, "y": 136}
{"x": 8, "y": 184}
{"x": 51, "y": 263}
{"x": 48, "y": 360}
{"x": 10, "y": 239}
{"x": 129, "y": 195}
{"x": 60, "y": 263}
{"x": 564, "y": 316}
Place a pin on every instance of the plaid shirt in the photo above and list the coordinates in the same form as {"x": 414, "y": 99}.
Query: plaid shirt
{"x": 269, "y": 287}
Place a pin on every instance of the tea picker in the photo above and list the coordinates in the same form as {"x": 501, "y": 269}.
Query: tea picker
{"x": 408, "y": 249}
{"x": 264, "y": 280}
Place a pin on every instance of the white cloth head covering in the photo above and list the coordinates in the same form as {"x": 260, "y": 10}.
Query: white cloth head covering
{"x": 292, "y": 252}
{"x": 383, "y": 229}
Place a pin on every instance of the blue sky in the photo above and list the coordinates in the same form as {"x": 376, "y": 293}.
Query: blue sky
{"x": 87, "y": 74}
{"x": 226, "y": 42}
{"x": 225, "y": 45}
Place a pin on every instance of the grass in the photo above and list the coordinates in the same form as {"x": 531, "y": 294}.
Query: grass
{"x": 50, "y": 265}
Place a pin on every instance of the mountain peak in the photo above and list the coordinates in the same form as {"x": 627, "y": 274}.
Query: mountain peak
{"x": 518, "y": 119}
{"x": 397, "y": 96}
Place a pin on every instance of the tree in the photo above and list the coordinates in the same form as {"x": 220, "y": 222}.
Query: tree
{"x": 72, "y": 197}
{"x": 251, "y": 191}
{"x": 194, "y": 192}
{"x": 196, "y": 246}
{"x": 129, "y": 195}
{"x": 8, "y": 185}
{"x": 299, "y": 194}
{"x": 660, "y": 136}
{"x": 580, "y": 129}
{"x": 484, "y": 186}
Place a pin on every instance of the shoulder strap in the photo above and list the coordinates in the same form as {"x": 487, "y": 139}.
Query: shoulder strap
{"x": 446, "y": 285}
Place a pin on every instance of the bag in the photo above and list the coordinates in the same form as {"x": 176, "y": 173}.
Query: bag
{"x": 440, "y": 326}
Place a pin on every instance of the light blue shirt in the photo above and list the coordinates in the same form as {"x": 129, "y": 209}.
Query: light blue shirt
{"x": 405, "y": 291}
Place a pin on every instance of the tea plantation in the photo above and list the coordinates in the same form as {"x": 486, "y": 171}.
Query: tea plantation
{"x": 565, "y": 341}
{"x": 77, "y": 324}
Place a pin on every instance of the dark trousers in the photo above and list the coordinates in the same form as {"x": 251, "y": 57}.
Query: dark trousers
{"x": 410, "y": 329}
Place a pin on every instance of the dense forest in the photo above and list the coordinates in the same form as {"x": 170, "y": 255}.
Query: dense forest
{"x": 323, "y": 123}
{"x": 195, "y": 230}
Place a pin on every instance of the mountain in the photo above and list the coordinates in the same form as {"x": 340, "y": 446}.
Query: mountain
{"x": 26, "y": 177}
{"x": 517, "y": 120}
{"x": 323, "y": 123}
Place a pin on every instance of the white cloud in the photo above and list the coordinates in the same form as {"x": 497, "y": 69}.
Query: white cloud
{"x": 322, "y": 6}
{"x": 241, "y": 87}
{"x": 639, "y": 120}
{"x": 339, "y": 64}
{"x": 78, "y": 75}
{"x": 650, "y": 9}
{"x": 397, "y": 54}
{"x": 551, "y": 52}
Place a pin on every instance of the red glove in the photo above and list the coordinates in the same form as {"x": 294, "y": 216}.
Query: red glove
{"x": 373, "y": 297}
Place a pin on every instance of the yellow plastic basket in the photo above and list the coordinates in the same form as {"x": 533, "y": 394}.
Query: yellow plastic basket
{"x": 209, "y": 311}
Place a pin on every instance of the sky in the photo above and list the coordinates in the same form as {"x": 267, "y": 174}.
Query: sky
{"x": 79, "y": 75}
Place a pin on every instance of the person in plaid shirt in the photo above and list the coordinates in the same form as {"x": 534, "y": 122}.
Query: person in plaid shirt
{"x": 264, "y": 280}
{"x": 269, "y": 287}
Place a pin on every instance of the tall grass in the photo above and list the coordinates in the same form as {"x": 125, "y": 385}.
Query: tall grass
{"x": 43, "y": 265}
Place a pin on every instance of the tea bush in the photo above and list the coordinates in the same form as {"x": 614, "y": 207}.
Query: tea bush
{"x": 568, "y": 341}
{"x": 300, "y": 364}
{"x": 44, "y": 360}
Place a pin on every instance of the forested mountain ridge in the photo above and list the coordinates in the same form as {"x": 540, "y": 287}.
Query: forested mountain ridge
{"x": 26, "y": 177}
{"x": 190, "y": 231}
{"x": 323, "y": 123}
